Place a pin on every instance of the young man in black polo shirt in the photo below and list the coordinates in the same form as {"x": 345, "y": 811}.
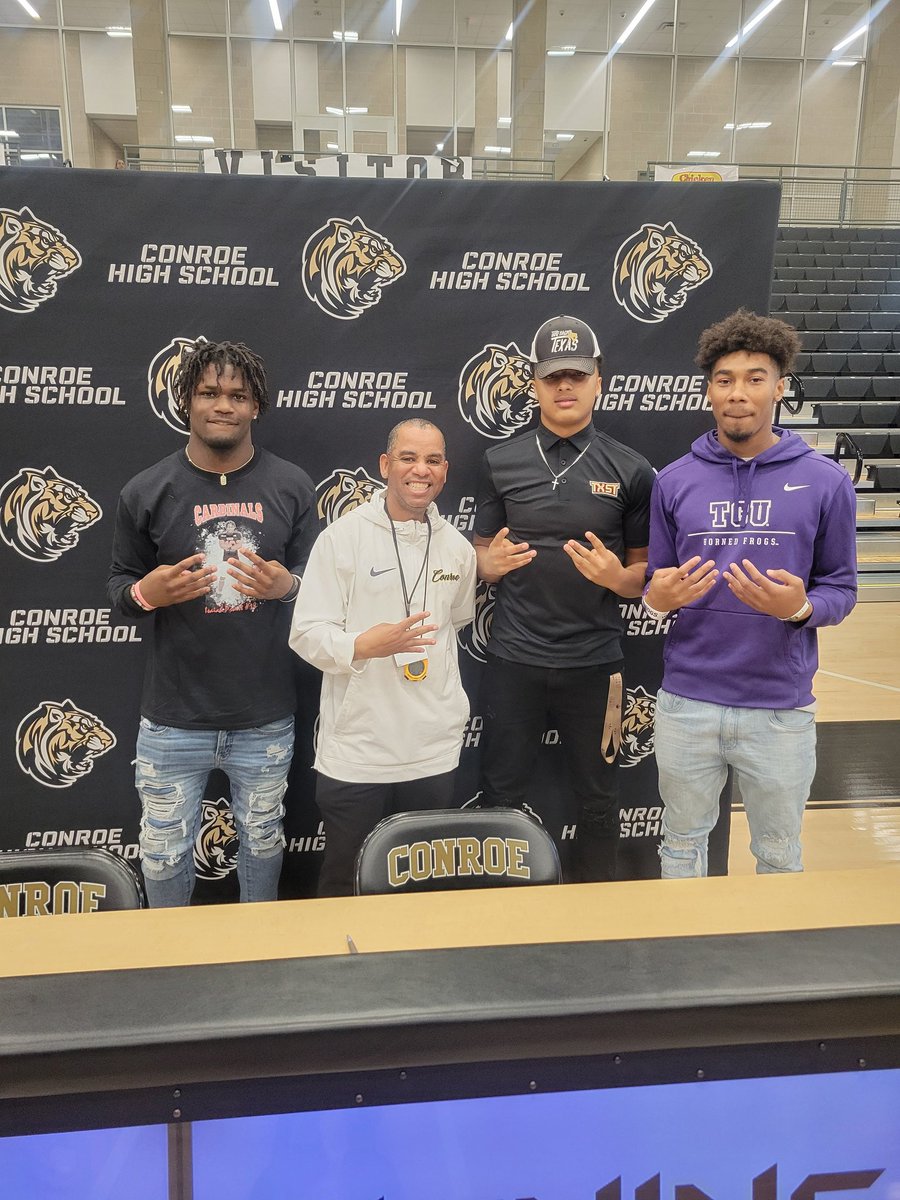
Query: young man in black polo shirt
{"x": 562, "y": 529}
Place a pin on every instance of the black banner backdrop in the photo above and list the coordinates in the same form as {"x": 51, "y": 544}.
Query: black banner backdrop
{"x": 370, "y": 302}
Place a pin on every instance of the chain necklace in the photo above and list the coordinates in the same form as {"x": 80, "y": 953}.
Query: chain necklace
{"x": 557, "y": 478}
{"x": 223, "y": 475}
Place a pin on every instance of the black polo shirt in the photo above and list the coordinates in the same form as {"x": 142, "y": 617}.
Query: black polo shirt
{"x": 547, "y": 613}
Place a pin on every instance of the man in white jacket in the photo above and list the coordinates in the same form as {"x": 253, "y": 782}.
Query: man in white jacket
{"x": 386, "y": 587}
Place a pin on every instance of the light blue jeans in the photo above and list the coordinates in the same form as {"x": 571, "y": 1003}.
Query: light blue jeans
{"x": 773, "y": 754}
{"x": 171, "y": 770}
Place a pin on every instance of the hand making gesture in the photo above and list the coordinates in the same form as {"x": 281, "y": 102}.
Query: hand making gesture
{"x": 676, "y": 587}
{"x": 777, "y": 593}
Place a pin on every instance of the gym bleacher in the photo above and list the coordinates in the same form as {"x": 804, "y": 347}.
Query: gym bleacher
{"x": 840, "y": 289}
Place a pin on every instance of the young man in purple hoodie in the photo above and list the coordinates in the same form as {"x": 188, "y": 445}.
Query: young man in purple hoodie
{"x": 753, "y": 542}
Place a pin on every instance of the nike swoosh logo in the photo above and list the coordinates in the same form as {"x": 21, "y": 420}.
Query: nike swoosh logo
{"x": 383, "y": 571}
{"x": 796, "y": 487}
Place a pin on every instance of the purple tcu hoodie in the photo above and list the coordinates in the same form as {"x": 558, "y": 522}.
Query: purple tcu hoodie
{"x": 788, "y": 508}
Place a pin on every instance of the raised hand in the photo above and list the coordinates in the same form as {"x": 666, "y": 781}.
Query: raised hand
{"x": 403, "y": 637}
{"x": 596, "y": 563}
{"x": 778, "y": 593}
{"x": 261, "y": 580}
{"x": 676, "y": 587}
{"x": 185, "y": 580}
{"x": 500, "y": 556}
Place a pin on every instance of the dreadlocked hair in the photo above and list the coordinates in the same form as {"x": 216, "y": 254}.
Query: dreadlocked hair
{"x": 219, "y": 355}
{"x": 745, "y": 330}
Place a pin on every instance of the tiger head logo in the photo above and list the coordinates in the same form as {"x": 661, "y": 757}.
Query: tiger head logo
{"x": 33, "y": 256}
{"x": 637, "y": 726}
{"x": 345, "y": 267}
{"x": 160, "y": 377}
{"x": 57, "y": 743}
{"x": 496, "y": 391}
{"x": 474, "y": 638}
{"x": 42, "y": 514}
{"x": 654, "y": 271}
{"x": 216, "y": 847}
{"x": 342, "y": 491}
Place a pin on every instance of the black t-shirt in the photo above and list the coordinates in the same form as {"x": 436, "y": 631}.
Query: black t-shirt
{"x": 222, "y": 661}
{"x": 547, "y": 613}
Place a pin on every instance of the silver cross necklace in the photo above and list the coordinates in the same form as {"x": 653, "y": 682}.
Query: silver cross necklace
{"x": 558, "y": 477}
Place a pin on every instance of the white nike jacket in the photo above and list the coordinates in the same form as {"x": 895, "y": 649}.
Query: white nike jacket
{"x": 376, "y": 726}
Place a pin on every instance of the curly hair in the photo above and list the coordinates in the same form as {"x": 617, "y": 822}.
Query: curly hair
{"x": 745, "y": 330}
{"x": 219, "y": 355}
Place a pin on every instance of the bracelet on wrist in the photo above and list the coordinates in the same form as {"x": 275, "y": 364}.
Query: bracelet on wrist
{"x": 291, "y": 593}
{"x": 139, "y": 599}
{"x": 801, "y": 613}
{"x": 653, "y": 612}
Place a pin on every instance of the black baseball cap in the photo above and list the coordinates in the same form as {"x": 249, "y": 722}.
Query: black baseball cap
{"x": 564, "y": 344}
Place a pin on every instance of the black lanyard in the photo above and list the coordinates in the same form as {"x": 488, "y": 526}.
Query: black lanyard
{"x": 423, "y": 570}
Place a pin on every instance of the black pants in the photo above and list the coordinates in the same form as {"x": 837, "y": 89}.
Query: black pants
{"x": 518, "y": 703}
{"x": 350, "y": 811}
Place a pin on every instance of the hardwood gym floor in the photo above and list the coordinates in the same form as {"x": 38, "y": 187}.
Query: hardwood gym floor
{"x": 853, "y": 816}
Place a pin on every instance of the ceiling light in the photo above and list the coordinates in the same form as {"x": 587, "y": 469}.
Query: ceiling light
{"x": 439, "y": 146}
{"x": 8, "y": 133}
{"x": 335, "y": 112}
{"x": 846, "y": 62}
{"x": 562, "y": 52}
{"x": 498, "y": 150}
{"x": 509, "y": 32}
{"x": 565, "y": 137}
{"x": 120, "y": 31}
{"x": 504, "y": 121}
{"x": 345, "y": 35}
{"x": 332, "y": 146}
{"x": 398, "y": 12}
{"x": 753, "y": 22}
{"x": 182, "y": 108}
{"x": 356, "y": 111}
{"x": 851, "y": 37}
{"x": 33, "y": 157}
{"x": 276, "y": 15}
{"x": 195, "y": 139}
{"x": 703, "y": 153}
{"x": 633, "y": 24}
{"x": 31, "y": 12}
{"x": 748, "y": 125}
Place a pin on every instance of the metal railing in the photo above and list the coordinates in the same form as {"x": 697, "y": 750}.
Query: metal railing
{"x": 813, "y": 194}
{"x": 190, "y": 159}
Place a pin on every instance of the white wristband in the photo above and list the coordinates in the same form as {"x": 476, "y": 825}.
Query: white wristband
{"x": 657, "y": 616}
{"x": 800, "y": 613}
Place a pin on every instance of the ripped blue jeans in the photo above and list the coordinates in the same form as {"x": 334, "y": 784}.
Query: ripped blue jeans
{"x": 773, "y": 754}
{"x": 171, "y": 770}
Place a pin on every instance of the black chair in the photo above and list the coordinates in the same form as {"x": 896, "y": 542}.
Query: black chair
{"x": 885, "y": 479}
{"x": 39, "y": 883}
{"x": 853, "y": 387}
{"x": 880, "y": 416}
{"x": 836, "y": 416}
{"x": 455, "y": 849}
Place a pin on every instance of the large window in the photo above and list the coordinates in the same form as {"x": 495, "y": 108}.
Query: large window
{"x": 590, "y": 88}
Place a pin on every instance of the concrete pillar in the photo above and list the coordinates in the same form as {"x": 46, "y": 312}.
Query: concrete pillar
{"x": 529, "y": 51}
{"x": 485, "y": 101}
{"x": 81, "y": 149}
{"x": 151, "y": 74}
{"x": 242, "y": 94}
{"x": 879, "y": 140}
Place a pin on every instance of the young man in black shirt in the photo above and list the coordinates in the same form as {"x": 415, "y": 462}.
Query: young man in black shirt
{"x": 562, "y": 529}
{"x": 211, "y": 541}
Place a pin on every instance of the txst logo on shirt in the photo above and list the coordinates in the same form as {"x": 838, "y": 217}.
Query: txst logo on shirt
{"x": 604, "y": 489}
